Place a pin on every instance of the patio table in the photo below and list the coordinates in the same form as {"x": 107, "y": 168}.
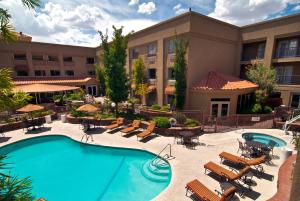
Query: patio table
{"x": 187, "y": 137}
{"x": 256, "y": 147}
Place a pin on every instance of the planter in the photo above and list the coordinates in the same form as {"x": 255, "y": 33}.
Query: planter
{"x": 77, "y": 120}
{"x": 154, "y": 113}
{"x": 176, "y": 130}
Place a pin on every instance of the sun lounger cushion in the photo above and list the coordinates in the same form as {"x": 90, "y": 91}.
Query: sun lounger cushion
{"x": 237, "y": 159}
{"x": 112, "y": 126}
{"x": 128, "y": 129}
{"x": 202, "y": 191}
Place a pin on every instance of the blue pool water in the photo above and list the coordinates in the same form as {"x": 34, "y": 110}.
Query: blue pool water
{"x": 62, "y": 169}
{"x": 263, "y": 138}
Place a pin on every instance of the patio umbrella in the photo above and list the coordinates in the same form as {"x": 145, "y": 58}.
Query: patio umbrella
{"x": 87, "y": 108}
{"x": 30, "y": 108}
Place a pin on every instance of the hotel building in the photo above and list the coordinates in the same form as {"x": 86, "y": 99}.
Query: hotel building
{"x": 217, "y": 56}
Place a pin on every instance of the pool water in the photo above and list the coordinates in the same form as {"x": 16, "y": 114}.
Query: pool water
{"x": 62, "y": 169}
{"x": 263, "y": 138}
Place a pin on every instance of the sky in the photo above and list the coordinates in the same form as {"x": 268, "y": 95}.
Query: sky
{"x": 77, "y": 22}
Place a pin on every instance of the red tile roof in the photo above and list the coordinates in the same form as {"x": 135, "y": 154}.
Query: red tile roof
{"x": 42, "y": 88}
{"x": 51, "y": 80}
{"x": 218, "y": 81}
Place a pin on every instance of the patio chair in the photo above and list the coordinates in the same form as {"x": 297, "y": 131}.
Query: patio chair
{"x": 131, "y": 127}
{"x": 203, "y": 193}
{"x": 243, "y": 148}
{"x": 115, "y": 124}
{"x": 255, "y": 162}
{"x": 228, "y": 174}
{"x": 146, "y": 132}
{"x": 27, "y": 124}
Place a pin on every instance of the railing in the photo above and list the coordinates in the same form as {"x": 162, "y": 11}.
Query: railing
{"x": 249, "y": 58}
{"x": 287, "y": 52}
{"x": 166, "y": 156}
{"x": 292, "y": 79}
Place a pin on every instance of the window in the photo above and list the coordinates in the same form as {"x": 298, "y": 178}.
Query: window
{"x": 171, "y": 74}
{"x": 40, "y": 73}
{"x": 52, "y": 58}
{"x": 152, "y": 73}
{"x": 287, "y": 48}
{"x": 20, "y": 57}
{"x": 295, "y": 101}
{"x": 69, "y": 73}
{"x": 135, "y": 53}
{"x": 22, "y": 73}
{"x": 91, "y": 72}
{"x": 171, "y": 46}
{"x": 37, "y": 57}
{"x": 151, "y": 49}
{"x": 284, "y": 74}
{"x": 261, "y": 51}
{"x": 90, "y": 60}
{"x": 67, "y": 59}
{"x": 54, "y": 72}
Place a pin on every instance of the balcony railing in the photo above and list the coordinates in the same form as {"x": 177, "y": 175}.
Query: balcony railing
{"x": 249, "y": 58}
{"x": 288, "y": 80}
{"x": 287, "y": 52}
{"x": 171, "y": 82}
{"x": 152, "y": 81}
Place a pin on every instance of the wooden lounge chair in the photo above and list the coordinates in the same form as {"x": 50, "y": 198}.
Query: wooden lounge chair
{"x": 131, "y": 127}
{"x": 146, "y": 132}
{"x": 203, "y": 193}
{"x": 115, "y": 124}
{"x": 256, "y": 162}
{"x": 225, "y": 173}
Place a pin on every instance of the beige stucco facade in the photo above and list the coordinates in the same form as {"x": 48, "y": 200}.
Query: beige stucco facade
{"x": 213, "y": 46}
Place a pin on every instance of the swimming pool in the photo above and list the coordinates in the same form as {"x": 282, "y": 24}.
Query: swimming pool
{"x": 263, "y": 138}
{"x": 63, "y": 169}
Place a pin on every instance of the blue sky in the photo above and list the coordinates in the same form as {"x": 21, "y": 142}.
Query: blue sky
{"x": 76, "y": 22}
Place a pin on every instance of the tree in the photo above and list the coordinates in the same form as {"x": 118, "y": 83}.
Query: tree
{"x": 100, "y": 76}
{"x": 7, "y": 32}
{"x": 12, "y": 188}
{"x": 265, "y": 78}
{"x": 141, "y": 88}
{"x": 114, "y": 60}
{"x": 8, "y": 99}
{"x": 180, "y": 72}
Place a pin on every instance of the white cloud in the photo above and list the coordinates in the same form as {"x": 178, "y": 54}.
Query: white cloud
{"x": 147, "y": 8}
{"x": 133, "y": 2}
{"x": 296, "y": 8}
{"x": 74, "y": 25}
{"x": 247, "y": 11}
{"x": 178, "y": 9}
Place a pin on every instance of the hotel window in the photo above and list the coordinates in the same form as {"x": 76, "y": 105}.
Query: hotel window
{"x": 295, "y": 100}
{"x": 171, "y": 74}
{"x": 69, "y": 73}
{"x": 20, "y": 57}
{"x": 67, "y": 59}
{"x": 151, "y": 48}
{"x": 54, "y": 72}
{"x": 135, "y": 53}
{"x": 37, "y": 57}
{"x": 261, "y": 51}
{"x": 22, "y": 73}
{"x": 52, "y": 58}
{"x": 91, "y": 72}
{"x": 171, "y": 46}
{"x": 152, "y": 73}
{"x": 40, "y": 73}
{"x": 287, "y": 48}
{"x": 90, "y": 60}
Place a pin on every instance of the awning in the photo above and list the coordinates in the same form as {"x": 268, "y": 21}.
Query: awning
{"x": 151, "y": 88}
{"x": 170, "y": 90}
{"x": 43, "y": 88}
{"x": 54, "y": 80}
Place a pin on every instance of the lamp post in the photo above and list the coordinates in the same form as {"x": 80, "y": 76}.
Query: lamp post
{"x": 113, "y": 105}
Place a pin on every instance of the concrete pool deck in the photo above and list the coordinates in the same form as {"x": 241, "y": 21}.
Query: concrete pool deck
{"x": 188, "y": 163}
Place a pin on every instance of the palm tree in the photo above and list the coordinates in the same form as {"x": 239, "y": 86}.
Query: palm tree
{"x": 7, "y": 32}
{"x": 12, "y": 188}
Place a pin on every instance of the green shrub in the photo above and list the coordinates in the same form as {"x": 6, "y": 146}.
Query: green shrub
{"x": 191, "y": 123}
{"x": 256, "y": 108}
{"x": 76, "y": 113}
{"x": 104, "y": 115}
{"x": 267, "y": 109}
{"x": 180, "y": 118}
{"x": 162, "y": 122}
{"x": 42, "y": 113}
{"x": 165, "y": 108}
{"x": 155, "y": 107}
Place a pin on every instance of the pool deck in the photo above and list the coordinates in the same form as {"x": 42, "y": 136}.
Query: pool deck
{"x": 188, "y": 163}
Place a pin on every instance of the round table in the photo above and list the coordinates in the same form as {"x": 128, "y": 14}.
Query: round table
{"x": 256, "y": 144}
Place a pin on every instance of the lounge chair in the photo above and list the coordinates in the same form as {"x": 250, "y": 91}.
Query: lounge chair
{"x": 146, "y": 132}
{"x": 115, "y": 124}
{"x": 202, "y": 192}
{"x": 227, "y": 174}
{"x": 256, "y": 162}
{"x": 131, "y": 127}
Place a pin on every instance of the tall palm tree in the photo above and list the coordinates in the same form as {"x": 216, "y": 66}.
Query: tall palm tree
{"x": 7, "y": 32}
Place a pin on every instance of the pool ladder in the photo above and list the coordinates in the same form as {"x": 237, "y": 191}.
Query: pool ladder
{"x": 158, "y": 158}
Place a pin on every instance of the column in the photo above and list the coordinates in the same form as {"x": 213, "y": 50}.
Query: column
{"x": 269, "y": 50}
{"x": 160, "y": 71}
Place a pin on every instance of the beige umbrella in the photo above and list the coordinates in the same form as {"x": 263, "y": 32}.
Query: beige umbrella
{"x": 30, "y": 108}
{"x": 87, "y": 108}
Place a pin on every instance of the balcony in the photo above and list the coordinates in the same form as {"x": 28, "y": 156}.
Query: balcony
{"x": 288, "y": 80}
{"x": 152, "y": 81}
{"x": 171, "y": 82}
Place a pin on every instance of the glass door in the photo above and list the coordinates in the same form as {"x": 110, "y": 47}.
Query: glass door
{"x": 92, "y": 90}
{"x": 219, "y": 109}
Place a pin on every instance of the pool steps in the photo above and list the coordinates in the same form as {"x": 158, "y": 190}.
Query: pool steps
{"x": 156, "y": 171}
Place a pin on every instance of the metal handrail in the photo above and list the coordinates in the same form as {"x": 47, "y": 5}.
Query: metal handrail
{"x": 168, "y": 155}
